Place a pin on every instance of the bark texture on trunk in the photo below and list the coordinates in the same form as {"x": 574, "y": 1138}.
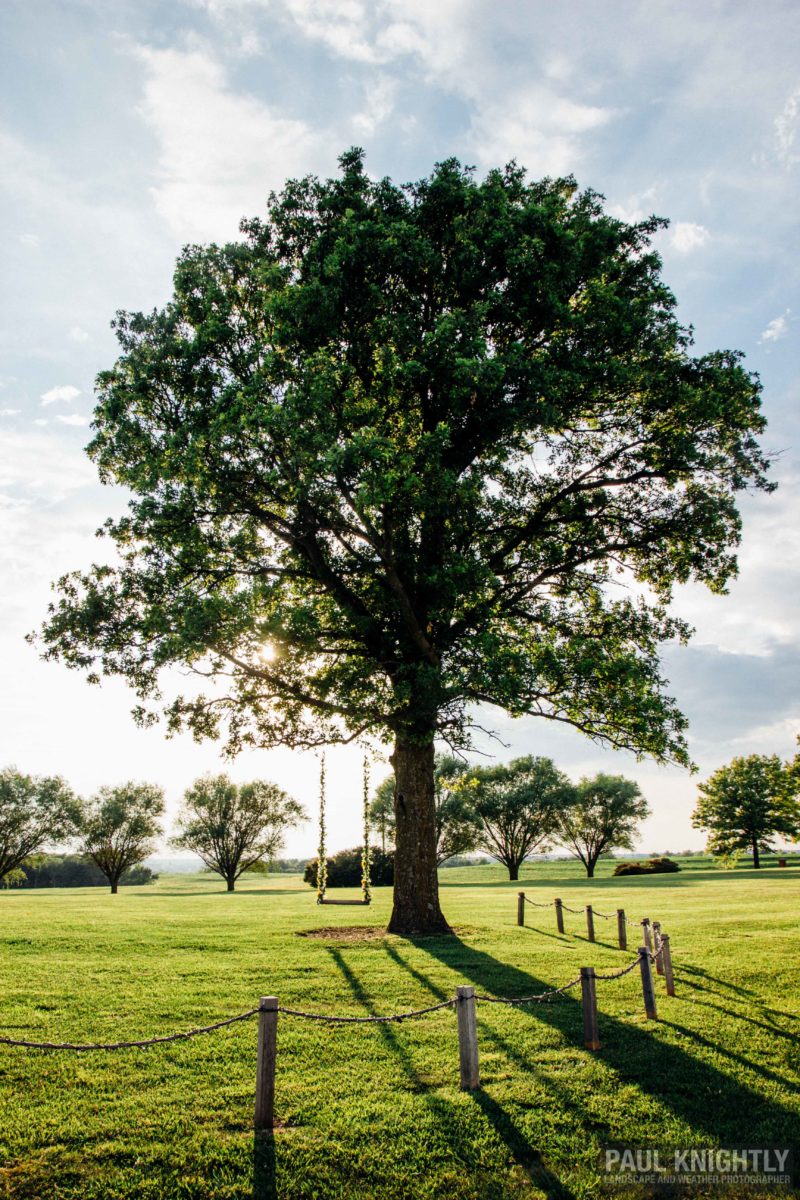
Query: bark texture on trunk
{"x": 513, "y": 871}
{"x": 113, "y": 889}
{"x": 416, "y": 883}
{"x": 756, "y": 860}
{"x": 230, "y": 885}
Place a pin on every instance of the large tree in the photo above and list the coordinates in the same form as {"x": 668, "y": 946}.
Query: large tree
{"x": 454, "y": 820}
{"x": 744, "y": 804}
{"x": 120, "y": 827}
{"x": 232, "y": 827}
{"x": 387, "y": 454}
{"x": 603, "y": 814}
{"x": 516, "y": 806}
{"x": 35, "y": 811}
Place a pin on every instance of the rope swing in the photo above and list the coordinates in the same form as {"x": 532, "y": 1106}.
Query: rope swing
{"x": 366, "y": 856}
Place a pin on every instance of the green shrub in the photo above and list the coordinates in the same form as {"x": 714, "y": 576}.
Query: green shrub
{"x": 653, "y": 866}
{"x": 344, "y": 869}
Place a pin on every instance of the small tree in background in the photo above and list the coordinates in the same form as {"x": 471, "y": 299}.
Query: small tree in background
{"x": 121, "y": 826}
{"x": 233, "y": 827}
{"x": 515, "y": 806}
{"x": 604, "y": 813}
{"x": 455, "y": 821}
{"x": 745, "y": 803}
{"x": 34, "y": 810}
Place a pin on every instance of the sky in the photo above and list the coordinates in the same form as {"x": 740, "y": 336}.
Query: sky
{"x": 128, "y": 129}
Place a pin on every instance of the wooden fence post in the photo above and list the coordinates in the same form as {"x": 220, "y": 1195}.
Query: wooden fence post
{"x": 467, "y": 1038}
{"x": 666, "y": 956}
{"x": 589, "y": 922}
{"x": 591, "y": 1033}
{"x": 647, "y": 933}
{"x": 622, "y": 932}
{"x": 559, "y": 915}
{"x": 648, "y": 991}
{"x": 265, "y": 1068}
{"x": 657, "y": 947}
{"x": 520, "y": 908}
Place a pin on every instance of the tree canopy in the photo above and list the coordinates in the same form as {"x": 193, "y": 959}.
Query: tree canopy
{"x": 35, "y": 811}
{"x": 744, "y": 804}
{"x": 232, "y": 827}
{"x": 386, "y": 456}
{"x": 515, "y": 806}
{"x": 604, "y": 813}
{"x": 120, "y": 827}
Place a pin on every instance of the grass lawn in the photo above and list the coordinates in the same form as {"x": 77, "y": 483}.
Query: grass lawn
{"x": 376, "y": 1111}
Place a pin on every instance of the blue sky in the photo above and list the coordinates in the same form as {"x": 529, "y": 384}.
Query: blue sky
{"x": 130, "y": 128}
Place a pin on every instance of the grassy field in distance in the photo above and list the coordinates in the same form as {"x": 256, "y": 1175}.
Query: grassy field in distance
{"x": 376, "y": 1111}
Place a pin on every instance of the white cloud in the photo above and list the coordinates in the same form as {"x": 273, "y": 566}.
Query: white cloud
{"x": 538, "y": 128}
{"x": 685, "y": 237}
{"x": 445, "y": 44}
{"x": 72, "y": 419}
{"x": 639, "y": 206}
{"x": 76, "y": 334}
{"x": 9, "y": 412}
{"x": 220, "y": 153}
{"x": 29, "y": 239}
{"x": 380, "y": 97}
{"x": 777, "y": 328}
{"x": 55, "y": 395}
{"x": 786, "y": 130}
{"x": 41, "y": 421}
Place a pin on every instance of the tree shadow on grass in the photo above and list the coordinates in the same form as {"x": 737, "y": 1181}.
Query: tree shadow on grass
{"x": 523, "y": 1153}
{"x": 712, "y": 1103}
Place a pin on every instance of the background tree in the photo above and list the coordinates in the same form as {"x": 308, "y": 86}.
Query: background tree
{"x": 454, "y": 818}
{"x": 744, "y": 804}
{"x": 515, "y": 805}
{"x": 234, "y": 826}
{"x": 120, "y": 827}
{"x": 604, "y": 814}
{"x": 386, "y": 457}
{"x": 34, "y": 811}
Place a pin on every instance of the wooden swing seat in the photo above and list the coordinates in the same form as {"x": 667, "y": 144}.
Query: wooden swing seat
{"x": 359, "y": 902}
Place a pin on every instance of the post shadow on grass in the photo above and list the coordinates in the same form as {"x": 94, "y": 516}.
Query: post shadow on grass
{"x": 523, "y": 1153}
{"x": 687, "y": 970}
{"x": 265, "y": 1185}
{"x": 785, "y": 1084}
{"x": 702, "y": 1096}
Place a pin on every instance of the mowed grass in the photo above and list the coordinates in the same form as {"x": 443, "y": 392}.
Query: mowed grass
{"x": 376, "y": 1111}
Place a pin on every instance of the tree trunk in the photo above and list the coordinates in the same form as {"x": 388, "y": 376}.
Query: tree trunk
{"x": 114, "y": 887}
{"x": 590, "y": 870}
{"x": 416, "y": 883}
{"x": 230, "y": 883}
{"x": 756, "y": 860}
{"x": 513, "y": 870}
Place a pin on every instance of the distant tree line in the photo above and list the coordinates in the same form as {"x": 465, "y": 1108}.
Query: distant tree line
{"x": 71, "y": 870}
{"x": 513, "y": 810}
{"x": 510, "y": 811}
{"x": 232, "y": 827}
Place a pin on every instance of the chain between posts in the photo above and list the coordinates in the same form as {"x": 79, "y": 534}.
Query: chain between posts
{"x": 579, "y": 911}
{"x": 169, "y": 1037}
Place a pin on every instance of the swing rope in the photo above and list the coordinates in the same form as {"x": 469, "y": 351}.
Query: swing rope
{"x": 322, "y": 857}
{"x": 366, "y": 854}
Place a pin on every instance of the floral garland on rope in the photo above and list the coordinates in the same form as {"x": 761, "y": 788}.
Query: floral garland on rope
{"x": 366, "y": 853}
{"x": 322, "y": 860}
